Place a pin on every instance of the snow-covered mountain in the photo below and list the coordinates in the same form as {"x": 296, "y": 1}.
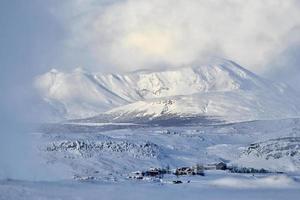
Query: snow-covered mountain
{"x": 221, "y": 89}
{"x": 153, "y": 145}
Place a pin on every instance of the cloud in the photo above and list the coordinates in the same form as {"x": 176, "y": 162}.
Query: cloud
{"x": 286, "y": 67}
{"x": 134, "y": 34}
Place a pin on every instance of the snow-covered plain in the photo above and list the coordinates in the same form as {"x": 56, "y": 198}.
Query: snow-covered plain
{"x": 95, "y": 161}
{"x": 235, "y": 188}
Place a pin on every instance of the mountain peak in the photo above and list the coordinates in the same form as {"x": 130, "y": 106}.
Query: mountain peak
{"x": 54, "y": 71}
{"x": 199, "y": 88}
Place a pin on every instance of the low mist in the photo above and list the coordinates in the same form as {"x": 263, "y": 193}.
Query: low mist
{"x": 21, "y": 112}
{"x": 27, "y": 35}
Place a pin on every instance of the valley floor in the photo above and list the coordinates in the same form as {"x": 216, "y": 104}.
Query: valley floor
{"x": 95, "y": 161}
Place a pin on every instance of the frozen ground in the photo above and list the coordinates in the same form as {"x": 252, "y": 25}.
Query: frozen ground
{"x": 211, "y": 187}
{"x": 94, "y": 161}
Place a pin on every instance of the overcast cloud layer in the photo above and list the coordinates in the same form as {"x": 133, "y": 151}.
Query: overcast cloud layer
{"x": 137, "y": 34}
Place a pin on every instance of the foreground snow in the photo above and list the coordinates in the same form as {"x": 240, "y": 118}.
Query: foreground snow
{"x": 211, "y": 187}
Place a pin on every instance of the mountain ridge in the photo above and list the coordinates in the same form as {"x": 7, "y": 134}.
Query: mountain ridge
{"x": 217, "y": 88}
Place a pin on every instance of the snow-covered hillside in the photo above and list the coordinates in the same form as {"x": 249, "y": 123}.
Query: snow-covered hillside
{"x": 281, "y": 154}
{"x": 221, "y": 89}
{"x": 111, "y": 152}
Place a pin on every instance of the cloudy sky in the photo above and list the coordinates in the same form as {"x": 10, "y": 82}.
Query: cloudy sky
{"x": 131, "y": 34}
{"x": 141, "y": 33}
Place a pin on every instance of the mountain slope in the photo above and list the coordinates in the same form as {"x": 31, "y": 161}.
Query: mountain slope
{"x": 77, "y": 94}
{"x": 221, "y": 89}
{"x": 228, "y": 106}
